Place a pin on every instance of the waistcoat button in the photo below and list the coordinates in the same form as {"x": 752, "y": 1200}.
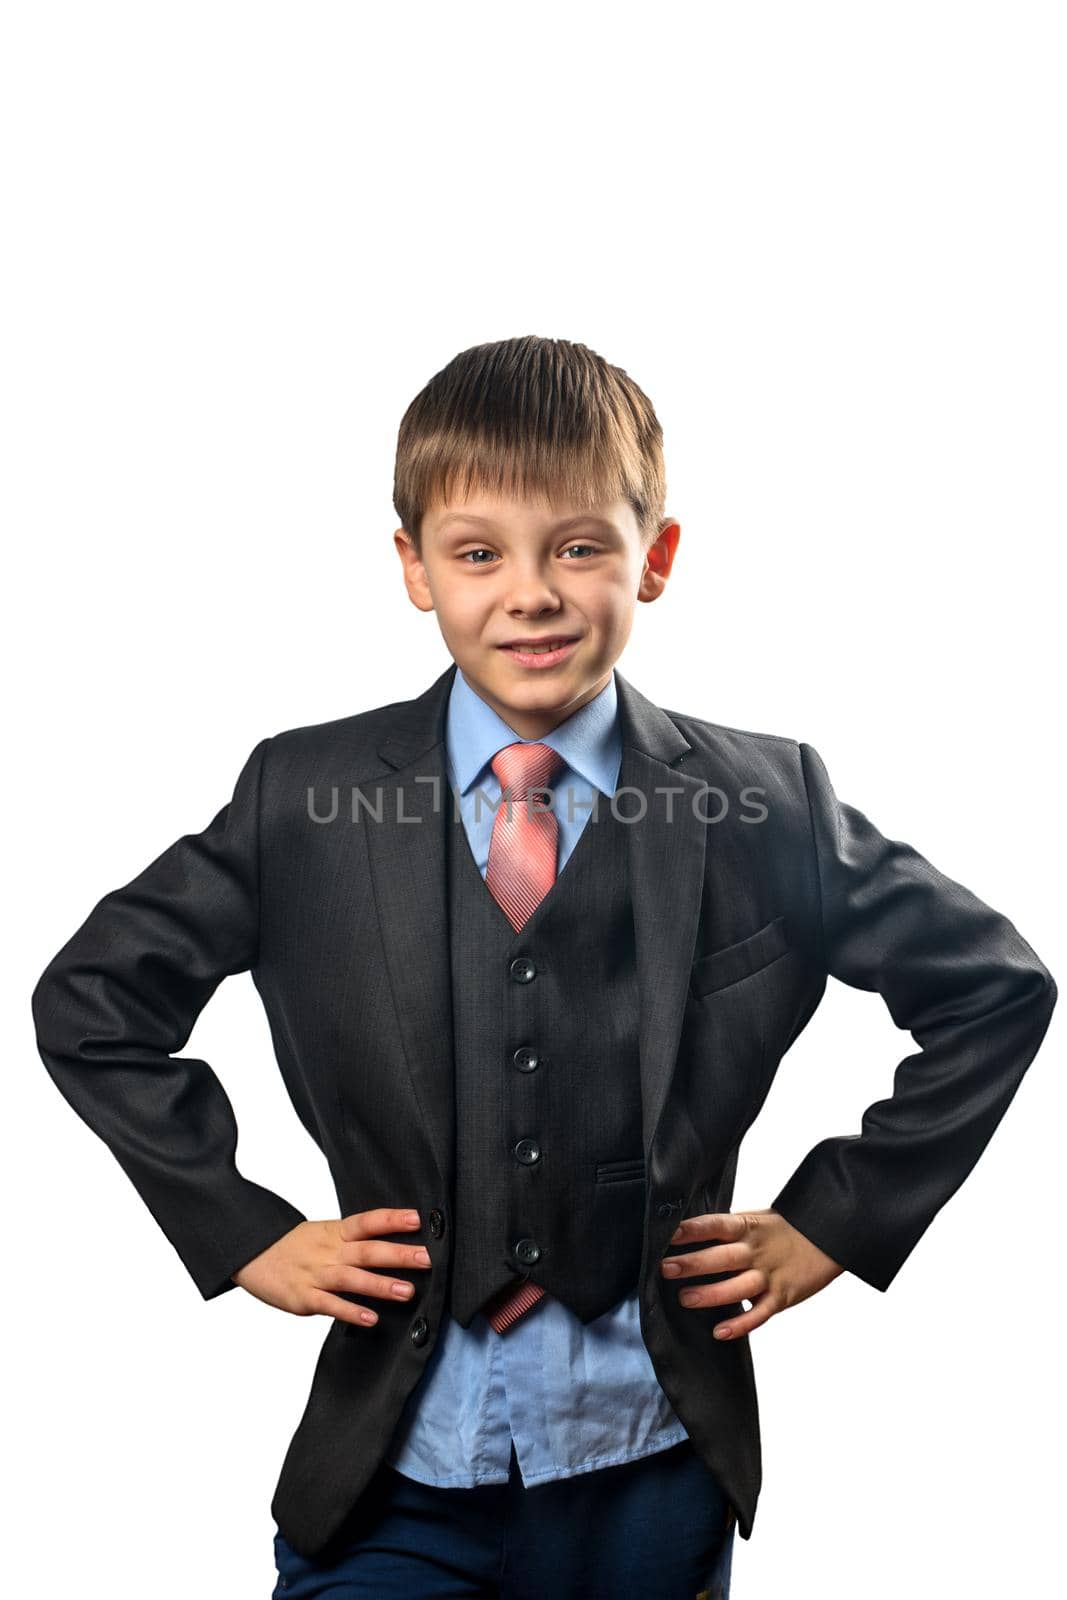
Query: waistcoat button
{"x": 420, "y": 1331}
{"x": 522, "y": 969}
{"x": 528, "y": 1151}
{"x": 437, "y": 1224}
{"x": 527, "y": 1251}
{"x": 525, "y": 1059}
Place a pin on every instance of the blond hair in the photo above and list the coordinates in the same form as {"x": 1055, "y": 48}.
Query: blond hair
{"x": 539, "y": 419}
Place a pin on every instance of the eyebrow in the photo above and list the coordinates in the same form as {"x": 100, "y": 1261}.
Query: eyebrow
{"x": 581, "y": 520}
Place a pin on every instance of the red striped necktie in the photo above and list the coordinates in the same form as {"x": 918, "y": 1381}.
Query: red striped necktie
{"x": 520, "y": 871}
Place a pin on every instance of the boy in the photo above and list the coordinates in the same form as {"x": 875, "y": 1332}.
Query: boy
{"x": 532, "y": 949}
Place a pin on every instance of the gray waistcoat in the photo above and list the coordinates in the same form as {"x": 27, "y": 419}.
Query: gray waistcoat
{"x": 549, "y": 1169}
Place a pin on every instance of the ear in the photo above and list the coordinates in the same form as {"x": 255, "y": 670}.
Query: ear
{"x": 415, "y": 579}
{"x": 659, "y": 559}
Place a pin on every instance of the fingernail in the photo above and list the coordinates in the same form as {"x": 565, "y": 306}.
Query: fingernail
{"x": 368, "y": 1316}
{"x": 412, "y": 1218}
{"x": 402, "y": 1290}
{"x": 671, "y": 1269}
{"x": 723, "y": 1333}
{"x": 688, "y": 1297}
{"x": 422, "y": 1256}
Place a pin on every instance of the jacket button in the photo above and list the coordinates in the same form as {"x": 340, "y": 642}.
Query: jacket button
{"x": 527, "y": 1251}
{"x": 525, "y": 1059}
{"x": 528, "y": 1151}
{"x": 437, "y": 1224}
{"x": 664, "y": 1209}
{"x": 522, "y": 969}
{"x": 420, "y": 1331}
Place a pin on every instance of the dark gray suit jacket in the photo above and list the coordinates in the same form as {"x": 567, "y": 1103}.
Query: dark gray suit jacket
{"x": 750, "y": 884}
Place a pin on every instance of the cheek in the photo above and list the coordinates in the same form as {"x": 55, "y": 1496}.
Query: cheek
{"x": 608, "y": 603}
{"x": 613, "y": 613}
{"x": 461, "y": 613}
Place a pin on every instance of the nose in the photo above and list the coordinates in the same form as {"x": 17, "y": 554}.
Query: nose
{"x": 530, "y": 593}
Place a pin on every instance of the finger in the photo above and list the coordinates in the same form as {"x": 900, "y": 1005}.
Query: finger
{"x": 742, "y": 1286}
{"x": 380, "y": 1253}
{"x": 719, "y": 1258}
{"x": 385, "y": 1219}
{"x": 354, "y": 1280}
{"x": 714, "y": 1225}
{"x": 763, "y": 1309}
{"x": 330, "y": 1305}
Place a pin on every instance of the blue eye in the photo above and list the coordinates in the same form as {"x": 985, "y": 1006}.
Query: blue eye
{"x": 469, "y": 555}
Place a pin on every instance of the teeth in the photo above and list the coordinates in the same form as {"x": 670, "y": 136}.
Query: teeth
{"x": 538, "y": 649}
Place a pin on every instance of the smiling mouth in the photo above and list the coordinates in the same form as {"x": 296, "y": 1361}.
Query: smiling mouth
{"x": 540, "y": 655}
{"x": 543, "y": 648}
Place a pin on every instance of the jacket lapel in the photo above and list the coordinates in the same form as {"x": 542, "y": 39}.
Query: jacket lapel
{"x": 666, "y": 856}
{"x": 406, "y": 851}
{"x": 408, "y": 864}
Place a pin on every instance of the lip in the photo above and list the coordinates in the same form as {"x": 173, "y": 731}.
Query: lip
{"x": 540, "y": 659}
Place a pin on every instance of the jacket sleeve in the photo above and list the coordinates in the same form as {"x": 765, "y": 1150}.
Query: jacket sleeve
{"x": 975, "y": 998}
{"x": 123, "y": 994}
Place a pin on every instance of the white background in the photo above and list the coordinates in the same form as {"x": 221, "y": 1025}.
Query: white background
{"x": 828, "y": 241}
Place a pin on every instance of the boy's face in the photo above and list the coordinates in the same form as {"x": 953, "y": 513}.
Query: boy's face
{"x": 500, "y": 571}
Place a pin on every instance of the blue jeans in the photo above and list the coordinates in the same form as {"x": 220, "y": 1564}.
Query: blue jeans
{"x": 659, "y": 1527}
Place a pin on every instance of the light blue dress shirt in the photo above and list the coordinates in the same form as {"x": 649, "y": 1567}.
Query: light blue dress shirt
{"x": 572, "y": 1397}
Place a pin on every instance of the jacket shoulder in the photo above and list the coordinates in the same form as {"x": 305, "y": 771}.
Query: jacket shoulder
{"x": 340, "y": 750}
{"x": 361, "y": 731}
{"x": 738, "y": 745}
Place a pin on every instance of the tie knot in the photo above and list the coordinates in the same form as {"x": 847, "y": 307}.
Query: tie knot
{"x": 522, "y": 767}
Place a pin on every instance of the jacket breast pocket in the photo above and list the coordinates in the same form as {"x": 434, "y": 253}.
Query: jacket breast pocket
{"x": 750, "y": 955}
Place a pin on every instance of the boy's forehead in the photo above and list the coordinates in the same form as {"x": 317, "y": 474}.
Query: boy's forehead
{"x": 501, "y": 509}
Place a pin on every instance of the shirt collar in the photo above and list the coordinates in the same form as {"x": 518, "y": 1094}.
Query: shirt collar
{"x": 589, "y": 741}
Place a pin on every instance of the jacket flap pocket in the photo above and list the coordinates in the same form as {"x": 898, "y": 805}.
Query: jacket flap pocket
{"x": 741, "y": 960}
{"x": 620, "y": 1171}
